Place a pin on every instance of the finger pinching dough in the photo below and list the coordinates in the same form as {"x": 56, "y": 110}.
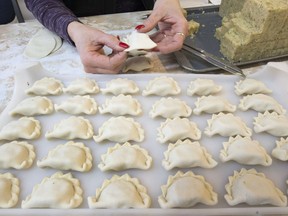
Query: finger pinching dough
{"x": 126, "y": 156}
{"x": 23, "y": 128}
{"x": 271, "y": 123}
{"x": 253, "y": 188}
{"x": 120, "y": 129}
{"x": 178, "y": 129}
{"x": 82, "y": 86}
{"x": 9, "y": 190}
{"x": 70, "y": 156}
{"x": 251, "y": 86}
{"x": 162, "y": 86}
{"x": 244, "y": 150}
{"x": 185, "y": 190}
{"x": 138, "y": 41}
{"x": 120, "y": 86}
{"x": 170, "y": 108}
{"x": 120, "y": 192}
{"x": 226, "y": 125}
{"x": 78, "y": 105}
{"x": 17, "y": 155}
{"x": 33, "y": 106}
{"x": 72, "y": 128}
{"x": 121, "y": 105}
{"x": 203, "y": 87}
{"x": 185, "y": 154}
{"x": 46, "y": 86}
{"x": 58, "y": 191}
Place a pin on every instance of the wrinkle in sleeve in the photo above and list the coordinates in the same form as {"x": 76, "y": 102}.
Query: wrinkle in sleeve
{"x": 54, "y": 15}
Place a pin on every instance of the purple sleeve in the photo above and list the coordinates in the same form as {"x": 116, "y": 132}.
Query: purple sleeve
{"x": 54, "y": 15}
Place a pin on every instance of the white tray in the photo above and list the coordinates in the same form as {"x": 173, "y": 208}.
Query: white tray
{"x": 153, "y": 178}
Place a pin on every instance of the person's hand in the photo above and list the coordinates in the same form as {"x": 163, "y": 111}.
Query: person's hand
{"x": 90, "y": 42}
{"x": 173, "y": 27}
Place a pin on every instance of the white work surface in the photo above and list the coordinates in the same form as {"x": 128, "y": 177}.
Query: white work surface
{"x": 65, "y": 64}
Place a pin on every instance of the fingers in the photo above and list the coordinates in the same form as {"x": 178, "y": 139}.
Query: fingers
{"x": 158, "y": 36}
{"x": 168, "y": 42}
{"x": 166, "y": 48}
{"x": 112, "y": 42}
{"x": 105, "y": 64}
{"x": 173, "y": 31}
{"x": 150, "y": 22}
{"x": 181, "y": 29}
{"x": 95, "y": 60}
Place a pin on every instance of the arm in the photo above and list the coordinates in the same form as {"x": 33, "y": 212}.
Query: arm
{"x": 53, "y": 14}
{"x": 173, "y": 26}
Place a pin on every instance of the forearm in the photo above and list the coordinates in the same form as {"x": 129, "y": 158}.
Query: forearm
{"x": 54, "y": 15}
{"x": 75, "y": 31}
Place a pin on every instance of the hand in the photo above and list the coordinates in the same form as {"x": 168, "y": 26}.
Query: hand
{"x": 173, "y": 27}
{"x": 90, "y": 42}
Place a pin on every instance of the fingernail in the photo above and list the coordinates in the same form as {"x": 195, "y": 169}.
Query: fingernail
{"x": 155, "y": 49}
{"x": 124, "y": 45}
{"x": 138, "y": 27}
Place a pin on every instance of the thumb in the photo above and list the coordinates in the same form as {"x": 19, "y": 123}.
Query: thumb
{"x": 112, "y": 42}
{"x": 150, "y": 22}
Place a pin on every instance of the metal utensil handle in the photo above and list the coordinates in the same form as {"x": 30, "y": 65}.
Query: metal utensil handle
{"x": 221, "y": 63}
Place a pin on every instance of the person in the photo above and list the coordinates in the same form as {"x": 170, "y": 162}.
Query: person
{"x": 61, "y": 17}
